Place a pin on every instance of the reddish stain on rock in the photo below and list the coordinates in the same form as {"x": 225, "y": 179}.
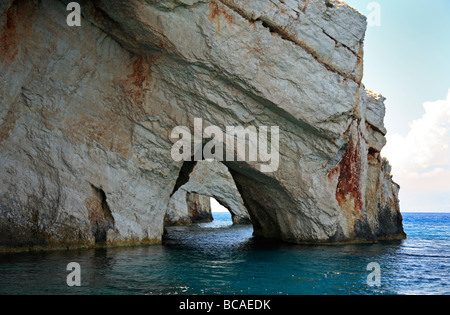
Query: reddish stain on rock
{"x": 216, "y": 12}
{"x": 9, "y": 122}
{"x": 138, "y": 83}
{"x": 304, "y": 5}
{"x": 334, "y": 172}
{"x": 19, "y": 20}
{"x": 349, "y": 183}
{"x": 141, "y": 71}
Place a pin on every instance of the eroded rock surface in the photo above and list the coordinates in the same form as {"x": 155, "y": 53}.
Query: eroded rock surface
{"x": 86, "y": 114}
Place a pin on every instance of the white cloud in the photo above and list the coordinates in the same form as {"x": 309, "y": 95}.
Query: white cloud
{"x": 421, "y": 160}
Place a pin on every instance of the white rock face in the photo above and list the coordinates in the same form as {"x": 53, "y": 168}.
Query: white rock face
{"x": 86, "y": 115}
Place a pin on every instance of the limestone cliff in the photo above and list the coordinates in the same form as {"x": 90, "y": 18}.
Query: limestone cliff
{"x": 86, "y": 114}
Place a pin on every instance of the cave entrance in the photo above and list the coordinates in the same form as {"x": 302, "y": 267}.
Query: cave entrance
{"x": 216, "y": 207}
{"x": 205, "y": 190}
{"x": 223, "y": 216}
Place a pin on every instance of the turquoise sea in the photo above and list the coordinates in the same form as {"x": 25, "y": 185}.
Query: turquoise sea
{"x": 219, "y": 258}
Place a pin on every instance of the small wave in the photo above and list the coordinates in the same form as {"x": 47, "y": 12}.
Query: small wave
{"x": 423, "y": 255}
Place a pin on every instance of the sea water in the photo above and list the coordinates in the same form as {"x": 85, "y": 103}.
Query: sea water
{"x": 220, "y": 258}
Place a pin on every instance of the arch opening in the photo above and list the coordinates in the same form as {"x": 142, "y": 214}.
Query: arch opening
{"x": 204, "y": 188}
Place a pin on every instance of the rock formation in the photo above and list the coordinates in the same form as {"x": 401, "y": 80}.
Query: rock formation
{"x": 212, "y": 179}
{"x": 186, "y": 208}
{"x": 86, "y": 114}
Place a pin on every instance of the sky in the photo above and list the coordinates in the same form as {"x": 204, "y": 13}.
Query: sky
{"x": 217, "y": 207}
{"x": 407, "y": 59}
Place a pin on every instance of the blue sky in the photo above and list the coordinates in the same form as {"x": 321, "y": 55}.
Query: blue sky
{"x": 407, "y": 59}
{"x": 407, "y": 56}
